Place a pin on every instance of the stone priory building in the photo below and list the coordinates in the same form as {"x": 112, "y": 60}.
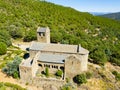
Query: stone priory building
{"x": 71, "y": 59}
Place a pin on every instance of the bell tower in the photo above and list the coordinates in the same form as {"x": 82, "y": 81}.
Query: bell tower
{"x": 43, "y": 34}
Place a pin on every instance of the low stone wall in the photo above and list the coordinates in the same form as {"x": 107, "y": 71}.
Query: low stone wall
{"x": 43, "y": 82}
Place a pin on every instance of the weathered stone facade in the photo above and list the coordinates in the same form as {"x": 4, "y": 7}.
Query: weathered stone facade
{"x": 71, "y": 59}
{"x": 43, "y": 35}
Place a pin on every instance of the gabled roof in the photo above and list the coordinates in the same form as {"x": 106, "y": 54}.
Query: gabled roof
{"x": 52, "y": 58}
{"x": 41, "y": 29}
{"x": 57, "y": 48}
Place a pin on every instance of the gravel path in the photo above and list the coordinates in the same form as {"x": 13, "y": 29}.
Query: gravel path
{"x": 22, "y": 46}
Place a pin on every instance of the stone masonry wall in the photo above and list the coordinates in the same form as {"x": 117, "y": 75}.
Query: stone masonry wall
{"x": 33, "y": 53}
{"x": 44, "y": 37}
{"x": 25, "y": 73}
{"x": 37, "y": 81}
{"x": 72, "y": 66}
{"x": 84, "y": 61}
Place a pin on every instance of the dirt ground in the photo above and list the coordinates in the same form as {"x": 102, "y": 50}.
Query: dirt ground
{"x": 4, "y": 78}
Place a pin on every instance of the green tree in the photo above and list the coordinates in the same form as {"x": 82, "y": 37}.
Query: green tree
{"x": 12, "y": 68}
{"x": 30, "y": 36}
{"x": 3, "y": 48}
{"x": 98, "y": 56}
{"x": 16, "y": 33}
{"x": 80, "y": 79}
{"x": 5, "y": 37}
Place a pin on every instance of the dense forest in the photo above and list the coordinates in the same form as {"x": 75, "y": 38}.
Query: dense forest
{"x": 115, "y": 16}
{"x": 101, "y": 36}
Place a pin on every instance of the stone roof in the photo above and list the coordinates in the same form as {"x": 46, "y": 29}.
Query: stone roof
{"x": 41, "y": 29}
{"x": 57, "y": 48}
{"x": 52, "y": 58}
{"x": 27, "y": 62}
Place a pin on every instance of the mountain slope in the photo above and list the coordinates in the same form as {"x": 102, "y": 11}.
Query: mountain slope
{"x": 100, "y": 36}
{"x": 115, "y": 16}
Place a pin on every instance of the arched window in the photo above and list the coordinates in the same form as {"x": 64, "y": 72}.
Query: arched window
{"x": 52, "y": 66}
{"x": 62, "y": 68}
{"x": 40, "y": 65}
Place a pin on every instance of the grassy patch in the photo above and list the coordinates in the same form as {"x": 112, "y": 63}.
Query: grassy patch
{"x": 6, "y": 85}
{"x": 11, "y": 53}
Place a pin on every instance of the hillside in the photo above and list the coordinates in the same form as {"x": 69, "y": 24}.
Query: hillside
{"x": 115, "y": 16}
{"x": 98, "y": 13}
{"x": 101, "y": 36}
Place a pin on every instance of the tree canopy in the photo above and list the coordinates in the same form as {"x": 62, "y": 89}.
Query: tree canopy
{"x": 3, "y": 48}
{"x": 67, "y": 25}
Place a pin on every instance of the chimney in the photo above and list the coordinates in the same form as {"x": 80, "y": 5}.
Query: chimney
{"x": 78, "y": 48}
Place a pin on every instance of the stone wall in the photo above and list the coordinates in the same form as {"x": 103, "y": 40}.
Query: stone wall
{"x": 25, "y": 73}
{"x": 84, "y": 61}
{"x": 72, "y": 66}
{"x": 44, "y": 37}
{"x": 33, "y": 53}
{"x": 41, "y": 39}
{"x": 34, "y": 66}
{"x": 48, "y": 35}
{"x": 37, "y": 81}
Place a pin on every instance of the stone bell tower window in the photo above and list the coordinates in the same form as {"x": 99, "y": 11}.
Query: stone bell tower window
{"x": 41, "y": 34}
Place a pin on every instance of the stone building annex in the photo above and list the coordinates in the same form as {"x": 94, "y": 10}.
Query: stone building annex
{"x": 71, "y": 59}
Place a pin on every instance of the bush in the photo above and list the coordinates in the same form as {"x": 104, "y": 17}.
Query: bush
{"x": 3, "y": 48}
{"x": 68, "y": 86}
{"x": 114, "y": 73}
{"x": 15, "y": 75}
{"x": 30, "y": 36}
{"x": 46, "y": 71}
{"x": 88, "y": 75}
{"x": 12, "y": 68}
{"x": 5, "y": 37}
{"x": 5, "y": 85}
{"x": 80, "y": 79}
{"x": 59, "y": 73}
{"x": 16, "y": 33}
{"x": 96, "y": 56}
{"x": 115, "y": 57}
{"x": 117, "y": 75}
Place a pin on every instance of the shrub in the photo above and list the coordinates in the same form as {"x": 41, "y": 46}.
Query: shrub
{"x": 15, "y": 33}
{"x": 46, "y": 71}
{"x": 3, "y": 48}
{"x": 115, "y": 61}
{"x": 12, "y": 68}
{"x": 88, "y": 75}
{"x": 26, "y": 83}
{"x": 80, "y": 79}
{"x": 67, "y": 80}
{"x": 96, "y": 56}
{"x": 117, "y": 75}
{"x": 30, "y": 36}
{"x": 5, "y": 85}
{"x": 114, "y": 73}
{"x": 14, "y": 86}
{"x": 59, "y": 73}
{"x": 15, "y": 75}
{"x": 68, "y": 86}
{"x": 5, "y": 37}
